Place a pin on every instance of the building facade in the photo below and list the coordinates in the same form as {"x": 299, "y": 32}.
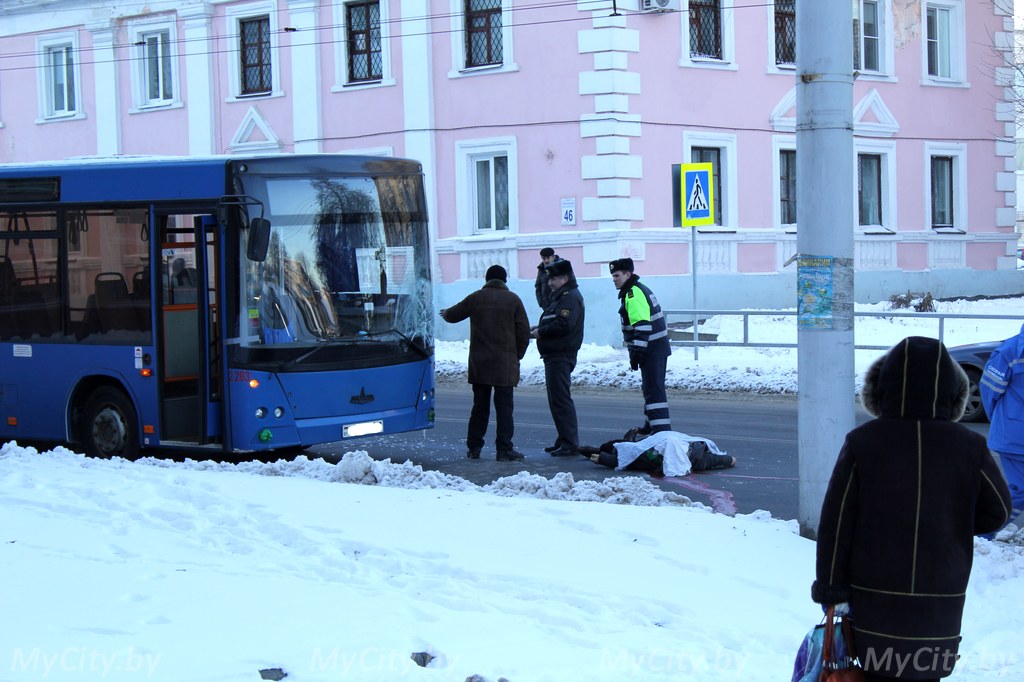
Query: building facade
{"x": 557, "y": 124}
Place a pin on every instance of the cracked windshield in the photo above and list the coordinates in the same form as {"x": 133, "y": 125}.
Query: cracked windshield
{"x": 347, "y": 275}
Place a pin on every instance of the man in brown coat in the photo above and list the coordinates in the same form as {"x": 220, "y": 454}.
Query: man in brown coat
{"x": 499, "y": 333}
{"x": 909, "y": 492}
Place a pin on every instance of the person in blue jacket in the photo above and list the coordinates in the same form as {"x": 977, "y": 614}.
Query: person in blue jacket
{"x": 1002, "y": 393}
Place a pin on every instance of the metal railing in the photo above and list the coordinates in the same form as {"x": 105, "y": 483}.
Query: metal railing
{"x": 694, "y": 316}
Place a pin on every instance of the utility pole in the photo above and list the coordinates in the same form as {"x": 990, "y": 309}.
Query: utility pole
{"x": 824, "y": 158}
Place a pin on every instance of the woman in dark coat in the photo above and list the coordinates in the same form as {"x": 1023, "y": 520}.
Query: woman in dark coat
{"x": 499, "y": 334}
{"x": 909, "y": 492}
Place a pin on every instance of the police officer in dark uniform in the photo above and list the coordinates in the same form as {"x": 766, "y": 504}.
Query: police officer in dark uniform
{"x": 559, "y": 336}
{"x": 646, "y": 337}
{"x": 547, "y": 257}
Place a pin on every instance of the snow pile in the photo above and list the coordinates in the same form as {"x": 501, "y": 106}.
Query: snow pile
{"x": 359, "y": 468}
{"x": 631, "y": 490}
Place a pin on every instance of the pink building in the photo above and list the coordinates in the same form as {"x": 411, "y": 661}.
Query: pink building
{"x": 557, "y": 124}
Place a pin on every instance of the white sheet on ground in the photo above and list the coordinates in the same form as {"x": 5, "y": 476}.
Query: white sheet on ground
{"x": 673, "y": 447}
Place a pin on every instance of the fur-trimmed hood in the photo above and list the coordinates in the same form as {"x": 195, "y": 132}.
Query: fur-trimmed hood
{"x": 916, "y": 379}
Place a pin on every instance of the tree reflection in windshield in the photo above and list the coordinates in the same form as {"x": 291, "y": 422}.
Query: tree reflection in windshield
{"x": 348, "y": 258}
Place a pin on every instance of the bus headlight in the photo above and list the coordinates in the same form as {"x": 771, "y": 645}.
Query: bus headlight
{"x": 278, "y": 412}
{"x": 261, "y": 412}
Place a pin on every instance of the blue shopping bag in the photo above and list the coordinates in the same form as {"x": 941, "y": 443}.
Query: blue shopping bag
{"x": 810, "y": 659}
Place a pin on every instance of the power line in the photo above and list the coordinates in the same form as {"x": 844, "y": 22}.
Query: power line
{"x": 181, "y": 42}
{"x": 576, "y": 122}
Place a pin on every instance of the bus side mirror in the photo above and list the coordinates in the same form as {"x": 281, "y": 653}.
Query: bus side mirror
{"x": 259, "y": 240}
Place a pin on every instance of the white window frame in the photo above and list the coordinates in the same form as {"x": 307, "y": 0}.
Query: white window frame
{"x": 140, "y": 78}
{"x": 959, "y": 153}
{"x": 727, "y": 24}
{"x": 780, "y": 143}
{"x": 44, "y": 46}
{"x": 341, "y": 49}
{"x": 234, "y": 15}
{"x": 728, "y": 175}
{"x": 957, "y": 47}
{"x": 887, "y": 151}
{"x": 773, "y": 67}
{"x": 467, "y": 153}
{"x": 886, "y": 45}
{"x": 457, "y": 9}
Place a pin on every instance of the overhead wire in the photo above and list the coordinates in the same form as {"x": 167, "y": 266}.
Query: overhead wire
{"x": 391, "y": 22}
{"x": 182, "y": 42}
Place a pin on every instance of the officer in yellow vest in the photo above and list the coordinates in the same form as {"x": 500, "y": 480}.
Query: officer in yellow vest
{"x": 645, "y": 335}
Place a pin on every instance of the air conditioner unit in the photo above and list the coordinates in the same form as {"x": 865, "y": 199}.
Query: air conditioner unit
{"x": 659, "y": 5}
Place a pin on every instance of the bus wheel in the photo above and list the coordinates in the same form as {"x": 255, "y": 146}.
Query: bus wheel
{"x": 109, "y": 425}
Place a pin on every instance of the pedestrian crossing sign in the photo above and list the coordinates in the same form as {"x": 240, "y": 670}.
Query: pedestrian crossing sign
{"x": 697, "y": 194}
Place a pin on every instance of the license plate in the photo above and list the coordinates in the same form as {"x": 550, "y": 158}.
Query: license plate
{"x": 362, "y": 429}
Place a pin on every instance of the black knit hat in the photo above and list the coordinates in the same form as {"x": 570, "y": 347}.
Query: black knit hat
{"x": 559, "y": 268}
{"x": 625, "y": 264}
{"x": 496, "y": 272}
{"x": 547, "y": 252}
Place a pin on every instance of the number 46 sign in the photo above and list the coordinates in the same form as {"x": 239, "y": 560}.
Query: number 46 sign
{"x": 569, "y": 211}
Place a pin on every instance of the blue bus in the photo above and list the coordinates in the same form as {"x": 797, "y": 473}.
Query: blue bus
{"x": 214, "y": 304}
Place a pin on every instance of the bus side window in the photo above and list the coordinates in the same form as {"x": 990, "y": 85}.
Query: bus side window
{"x": 111, "y": 308}
{"x": 140, "y": 284}
{"x": 8, "y": 284}
{"x": 183, "y": 282}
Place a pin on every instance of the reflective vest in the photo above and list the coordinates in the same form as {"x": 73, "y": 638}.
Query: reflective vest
{"x": 643, "y": 324}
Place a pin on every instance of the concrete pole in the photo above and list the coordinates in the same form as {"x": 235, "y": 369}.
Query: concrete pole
{"x": 824, "y": 142}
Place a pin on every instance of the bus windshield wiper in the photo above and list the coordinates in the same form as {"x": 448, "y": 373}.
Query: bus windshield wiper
{"x": 410, "y": 342}
{"x": 309, "y": 353}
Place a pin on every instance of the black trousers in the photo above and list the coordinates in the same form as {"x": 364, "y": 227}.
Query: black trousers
{"x": 558, "y": 380}
{"x": 481, "y": 413}
{"x": 652, "y": 383}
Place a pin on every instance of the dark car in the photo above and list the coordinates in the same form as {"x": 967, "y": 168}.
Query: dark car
{"x": 972, "y": 358}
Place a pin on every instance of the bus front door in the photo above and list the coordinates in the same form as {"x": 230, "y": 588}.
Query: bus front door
{"x": 190, "y": 404}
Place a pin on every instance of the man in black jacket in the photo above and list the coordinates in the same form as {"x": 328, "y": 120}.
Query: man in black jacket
{"x": 909, "y": 492}
{"x": 559, "y": 336}
{"x": 541, "y": 286}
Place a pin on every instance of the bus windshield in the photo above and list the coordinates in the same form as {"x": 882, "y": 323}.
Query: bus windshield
{"x": 346, "y": 280}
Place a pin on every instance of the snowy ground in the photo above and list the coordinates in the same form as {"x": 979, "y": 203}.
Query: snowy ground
{"x": 205, "y": 572}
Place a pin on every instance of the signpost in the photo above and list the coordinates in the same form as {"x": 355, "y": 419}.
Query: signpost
{"x": 693, "y": 204}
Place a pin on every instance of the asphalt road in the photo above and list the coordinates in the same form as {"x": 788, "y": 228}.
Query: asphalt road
{"x": 760, "y": 431}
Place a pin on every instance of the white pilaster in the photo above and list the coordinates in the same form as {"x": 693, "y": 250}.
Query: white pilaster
{"x": 108, "y": 119}
{"x": 199, "y": 49}
{"x": 305, "y": 89}
{"x": 418, "y": 95}
{"x": 611, "y": 125}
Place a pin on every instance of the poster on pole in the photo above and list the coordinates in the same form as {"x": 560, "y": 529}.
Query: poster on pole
{"x": 815, "y": 282}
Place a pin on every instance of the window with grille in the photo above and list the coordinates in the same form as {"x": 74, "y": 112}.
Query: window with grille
{"x": 491, "y": 195}
{"x": 785, "y": 31}
{"x": 483, "y": 32}
{"x": 938, "y": 41}
{"x": 254, "y": 45}
{"x": 869, "y": 189}
{"x": 158, "y": 84}
{"x": 365, "y": 62}
{"x": 60, "y": 80}
{"x": 712, "y": 155}
{"x": 787, "y": 186}
{"x": 706, "y": 28}
{"x": 942, "y": 191}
